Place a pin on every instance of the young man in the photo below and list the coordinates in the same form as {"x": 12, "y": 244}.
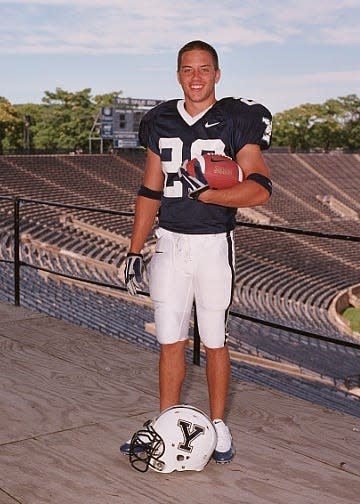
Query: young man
{"x": 194, "y": 257}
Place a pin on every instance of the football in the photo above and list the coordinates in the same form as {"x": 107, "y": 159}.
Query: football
{"x": 220, "y": 171}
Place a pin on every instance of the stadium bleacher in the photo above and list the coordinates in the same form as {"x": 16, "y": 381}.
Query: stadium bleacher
{"x": 284, "y": 278}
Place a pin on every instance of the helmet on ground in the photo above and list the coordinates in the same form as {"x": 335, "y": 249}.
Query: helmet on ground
{"x": 181, "y": 438}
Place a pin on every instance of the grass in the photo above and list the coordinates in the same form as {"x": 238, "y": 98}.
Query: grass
{"x": 353, "y": 316}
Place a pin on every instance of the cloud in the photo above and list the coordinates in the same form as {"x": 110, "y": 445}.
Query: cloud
{"x": 310, "y": 12}
{"x": 342, "y": 36}
{"x": 142, "y": 27}
{"x": 283, "y": 92}
{"x": 352, "y": 76}
{"x": 314, "y": 81}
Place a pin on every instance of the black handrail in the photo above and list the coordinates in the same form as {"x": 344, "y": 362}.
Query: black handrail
{"x": 196, "y": 350}
{"x": 304, "y": 232}
{"x": 17, "y": 251}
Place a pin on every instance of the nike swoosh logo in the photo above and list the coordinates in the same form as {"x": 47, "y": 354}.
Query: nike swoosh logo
{"x": 210, "y": 125}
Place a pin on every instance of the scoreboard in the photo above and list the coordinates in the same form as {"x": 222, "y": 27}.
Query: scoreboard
{"x": 120, "y": 123}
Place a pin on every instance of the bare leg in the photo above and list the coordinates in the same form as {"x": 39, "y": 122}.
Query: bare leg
{"x": 218, "y": 377}
{"x": 172, "y": 369}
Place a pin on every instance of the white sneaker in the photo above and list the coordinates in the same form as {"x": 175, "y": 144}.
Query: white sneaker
{"x": 224, "y": 451}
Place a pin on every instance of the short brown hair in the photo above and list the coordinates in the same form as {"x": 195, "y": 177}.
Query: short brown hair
{"x": 198, "y": 44}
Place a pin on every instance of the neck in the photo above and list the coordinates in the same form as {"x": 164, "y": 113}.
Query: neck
{"x": 195, "y": 108}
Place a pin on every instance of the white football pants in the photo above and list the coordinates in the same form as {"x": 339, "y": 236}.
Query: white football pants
{"x": 185, "y": 267}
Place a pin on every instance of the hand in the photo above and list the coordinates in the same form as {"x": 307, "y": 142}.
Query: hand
{"x": 196, "y": 184}
{"x": 134, "y": 272}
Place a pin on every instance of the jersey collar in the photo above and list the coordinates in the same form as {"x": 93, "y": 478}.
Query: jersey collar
{"x": 190, "y": 120}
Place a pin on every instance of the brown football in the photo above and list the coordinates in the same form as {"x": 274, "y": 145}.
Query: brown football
{"x": 220, "y": 171}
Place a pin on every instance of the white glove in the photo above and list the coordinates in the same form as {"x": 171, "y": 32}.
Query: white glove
{"x": 134, "y": 272}
{"x": 194, "y": 185}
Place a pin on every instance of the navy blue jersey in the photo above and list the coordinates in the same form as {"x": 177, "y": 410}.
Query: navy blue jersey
{"x": 169, "y": 131}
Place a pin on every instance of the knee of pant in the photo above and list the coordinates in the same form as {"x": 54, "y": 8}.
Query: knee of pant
{"x": 173, "y": 349}
{"x": 212, "y": 327}
{"x": 170, "y": 339}
{"x": 212, "y": 335}
{"x": 212, "y": 343}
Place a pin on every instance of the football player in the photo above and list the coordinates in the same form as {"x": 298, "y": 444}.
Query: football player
{"x": 194, "y": 256}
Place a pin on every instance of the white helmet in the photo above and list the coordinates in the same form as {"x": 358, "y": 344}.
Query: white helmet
{"x": 181, "y": 438}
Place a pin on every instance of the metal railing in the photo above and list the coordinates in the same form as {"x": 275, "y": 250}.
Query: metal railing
{"x": 18, "y": 264}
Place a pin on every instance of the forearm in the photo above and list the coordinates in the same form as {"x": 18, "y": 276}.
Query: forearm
{"x": 145, "y": 214}
{"x": 245, "y": 194}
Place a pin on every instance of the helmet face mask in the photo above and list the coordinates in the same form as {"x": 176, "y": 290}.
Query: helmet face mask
{"x": 146, "y": 448}
{"x": 181, "y": 438}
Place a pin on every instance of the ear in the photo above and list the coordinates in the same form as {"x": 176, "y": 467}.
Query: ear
{"x": 217, "y": 75}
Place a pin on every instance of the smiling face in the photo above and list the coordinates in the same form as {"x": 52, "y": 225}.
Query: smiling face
{"x": 197, "y": 76}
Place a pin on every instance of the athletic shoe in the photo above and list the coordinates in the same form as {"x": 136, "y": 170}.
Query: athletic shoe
{"x": 125, "y": 448}
{"x": 224, "y": 451}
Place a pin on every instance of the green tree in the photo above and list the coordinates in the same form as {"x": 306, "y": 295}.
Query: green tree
{"x": 65, "y": 120}
{"x": 333, "y": 124}
{"x": 62, "y": 122}
{"x": 105, "y": 100}
{"x": 31, "y": 114}
{"x": 327, "y": 131}
{"x": 10, "y": 126}
{"x": 350, "y": 119}
{"x": 293, "y": 127}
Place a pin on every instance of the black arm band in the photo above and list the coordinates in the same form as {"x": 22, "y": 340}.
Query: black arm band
{"x": 149, "y": 193}
{"x": 262, "y": 180}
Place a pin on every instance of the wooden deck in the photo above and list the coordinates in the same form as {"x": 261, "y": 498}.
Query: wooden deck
{"x": 69, "y": 396}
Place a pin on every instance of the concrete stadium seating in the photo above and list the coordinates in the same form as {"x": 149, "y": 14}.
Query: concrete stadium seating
{"x": 284, "y": 278}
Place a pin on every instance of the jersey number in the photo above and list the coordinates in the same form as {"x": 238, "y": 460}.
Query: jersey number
{"x": 173, "y": 188}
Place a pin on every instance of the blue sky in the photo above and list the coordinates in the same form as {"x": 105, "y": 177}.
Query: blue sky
{"x": 279, "y": 53}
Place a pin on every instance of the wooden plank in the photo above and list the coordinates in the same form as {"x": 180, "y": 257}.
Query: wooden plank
{"x": 74, "y": 343}
{"x": 11, "y": 312}
{"x": 6, "y": 499}
{"x": 299, "y": 426}
{"x": 136, "y": 367}
{"x": 84, "y": 465}
{"x": 42, "y": 393}
{"x": 70, "y": 396}
{"x": 119, "y": 359}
